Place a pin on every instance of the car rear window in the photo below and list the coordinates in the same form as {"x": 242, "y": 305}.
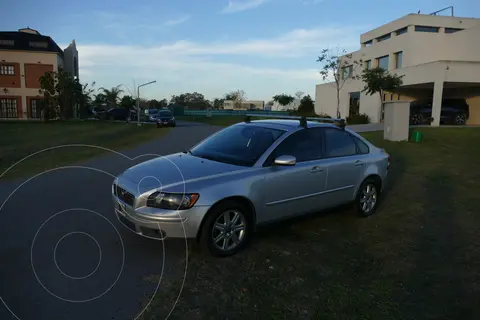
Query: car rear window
{"x": 339, "y": 143}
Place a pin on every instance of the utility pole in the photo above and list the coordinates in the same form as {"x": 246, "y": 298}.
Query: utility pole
{"x": 138, "y": 100}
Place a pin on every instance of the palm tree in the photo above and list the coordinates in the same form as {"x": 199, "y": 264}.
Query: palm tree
{"x": 112, "y": 96}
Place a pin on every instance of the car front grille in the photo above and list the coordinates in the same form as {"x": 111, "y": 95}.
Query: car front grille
{"x": 124, "y": 195}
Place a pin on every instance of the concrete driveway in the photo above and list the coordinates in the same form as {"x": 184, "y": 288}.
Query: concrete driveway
{"x": 63, "y": 253}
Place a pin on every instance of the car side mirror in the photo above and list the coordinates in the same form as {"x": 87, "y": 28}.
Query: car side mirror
{"x": 285, "y": 160}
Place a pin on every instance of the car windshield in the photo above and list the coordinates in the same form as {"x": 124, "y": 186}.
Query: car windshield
{"x": 165, "y": 113}
{"x": 239, "y": 145}
{"x": 152, "y": 111}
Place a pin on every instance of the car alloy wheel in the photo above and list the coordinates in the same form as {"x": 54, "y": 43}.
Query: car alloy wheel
{"x": 229, "y": 230}
{"x": 460, "y": 119}
{"x": 368, "y": 198}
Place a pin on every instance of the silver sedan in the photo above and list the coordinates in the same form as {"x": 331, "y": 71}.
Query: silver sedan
{"x": 248, "y": 174}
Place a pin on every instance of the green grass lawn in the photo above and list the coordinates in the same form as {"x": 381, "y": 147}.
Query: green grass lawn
{"x": 20, "y": 139}
{"x": 418, "y": 257}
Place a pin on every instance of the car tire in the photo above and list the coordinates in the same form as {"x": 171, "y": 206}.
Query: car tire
{"x": 219, "y": 237}
{"x": 460, "y": 119}
{"x": 368, "y": 197}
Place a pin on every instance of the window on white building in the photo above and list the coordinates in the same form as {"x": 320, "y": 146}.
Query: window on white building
{"x": 384, "y": 37}
{"x": 426, "y": 29}
{"x": 347, "y": 72}
{"x": 368, "y": 43}
{"x": 452, "y": 30}
{"x": 382, "y": 62}
{"x": 368, "y": 64}
{"x": 398, "y": 60}
{"x": 401, "y": 31}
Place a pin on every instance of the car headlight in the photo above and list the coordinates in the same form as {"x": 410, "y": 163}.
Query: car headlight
{"x": 172, "y": 201}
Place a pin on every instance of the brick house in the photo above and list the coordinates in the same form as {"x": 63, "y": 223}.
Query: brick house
{"x": 25, "y": 55}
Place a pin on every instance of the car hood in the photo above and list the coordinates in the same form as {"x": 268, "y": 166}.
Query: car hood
{"x": 173, "y": 169}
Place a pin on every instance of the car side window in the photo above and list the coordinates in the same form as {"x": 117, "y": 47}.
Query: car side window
{"x": 339, "y": 143}
{"x": 362, "y": 146}
{"x": 304, "y": 145}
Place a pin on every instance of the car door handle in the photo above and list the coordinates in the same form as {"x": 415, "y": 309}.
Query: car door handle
{"x": 358, "y": 163}
{"x": 316, "y": 169}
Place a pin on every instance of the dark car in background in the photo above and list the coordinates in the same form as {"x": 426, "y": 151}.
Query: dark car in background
{"x": 164, "y": 118}
{"x": 120, "y": 114}
{"x": 454, "y": 111}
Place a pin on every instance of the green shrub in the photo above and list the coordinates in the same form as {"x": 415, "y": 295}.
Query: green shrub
{"x": 358, "y": 119}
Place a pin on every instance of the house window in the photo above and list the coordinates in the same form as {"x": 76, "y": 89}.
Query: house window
{"x": 452, "y": 30}
{"x": 6, "y": 42}
{"x": 368, "y": 64}
{"x": 7, "y": 70}
{"x": 384, "y": 37}
{"x": 347, "y": 72}
{"x": 398, "y": 60}
{"x": 35, "y": 108}
{"x": 368, "y": 43}
{"x": 401, "y": 31}
{"x": 38, "y": 44}
{"x": 426, "y": 29}
{"x": 382, "y": 62}
{"x": 8, "y": 108}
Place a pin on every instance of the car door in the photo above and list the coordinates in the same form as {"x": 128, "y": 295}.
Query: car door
{"x": 344, "y": 166}
{"x": 297, "y": 189}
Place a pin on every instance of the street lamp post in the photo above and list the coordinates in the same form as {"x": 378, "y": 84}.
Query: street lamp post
{"x": 138, "y": 100}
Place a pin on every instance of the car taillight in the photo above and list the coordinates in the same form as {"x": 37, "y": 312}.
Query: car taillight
{"x": 388, "y": 162}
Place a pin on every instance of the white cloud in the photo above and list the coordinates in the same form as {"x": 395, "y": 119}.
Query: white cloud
{"x": 242, "y": 5}
{"x": 174, "y": 22}
{"x": 184, "y": 66}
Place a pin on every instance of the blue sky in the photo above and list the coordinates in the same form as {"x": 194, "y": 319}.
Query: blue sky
{"x": 263, "y": 47}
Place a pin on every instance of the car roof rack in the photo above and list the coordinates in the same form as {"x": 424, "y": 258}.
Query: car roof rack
{"x": 303, "y": 119}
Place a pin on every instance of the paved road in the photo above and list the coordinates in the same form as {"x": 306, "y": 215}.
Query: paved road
{"x": 63, "y": 253}
{"x": 45, "y": 250}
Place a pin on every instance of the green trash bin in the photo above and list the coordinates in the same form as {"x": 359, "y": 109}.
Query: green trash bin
{"x": 417, "y": 136}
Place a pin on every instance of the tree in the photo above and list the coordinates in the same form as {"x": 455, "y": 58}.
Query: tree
{"x": 112, "y": 96}
{"x": 63, "y": 95}
{"x": 299, "y": 94}
{"x": 218, "y": 103}
{"x": 379, "y": 80}
{"x": 237, "y": 96}
{"x": 127, "y": 102}
{"x": 269, "y": 105}
{"x": 306, "y": 106}
{"x": 193, "y": 100}
{"x": 283, "y": 99}
{"x": 341, "y": 66}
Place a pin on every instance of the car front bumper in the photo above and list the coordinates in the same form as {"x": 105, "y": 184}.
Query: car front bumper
{"x": 158, "y": 223}
{"x": 165, "y": 122}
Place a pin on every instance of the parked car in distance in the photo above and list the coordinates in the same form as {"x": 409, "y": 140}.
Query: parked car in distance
{"x": 249, "y": 174}
{"x": 121, "y": 114}
{"x": 165, "y": 117}
{"x": 152, "y": 114}
{"x": 454, "y": 111}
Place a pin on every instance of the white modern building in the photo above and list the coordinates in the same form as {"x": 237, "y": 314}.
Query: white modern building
{"x": 439, "y": 57}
